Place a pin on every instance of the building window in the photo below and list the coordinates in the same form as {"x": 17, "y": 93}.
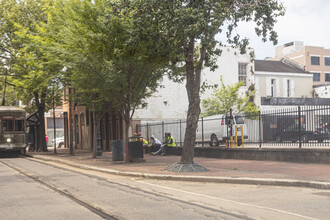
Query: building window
{"x": 76, "y": 128}
{"x": 82, "y": 119}
{"x": 87, "y": 117}
{"x": 288, "y": 88}
{"x": 242, "y": 72}
{"x": 327, "y": 77}
{"x": 58, "y": 122}
{"x": 272, "y": 87}
{"x": 315, "y": 60}
{"x": 316, "y": 77}
{"x": 327, "y": 61}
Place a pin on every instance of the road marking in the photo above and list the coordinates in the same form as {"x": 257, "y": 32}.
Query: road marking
{"x": 169, "y": 188}
{"x": 231, "y": 201}
{"x": 88, "y": 206}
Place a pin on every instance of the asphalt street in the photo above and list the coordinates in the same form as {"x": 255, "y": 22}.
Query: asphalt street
{"x": 60, "y": 191}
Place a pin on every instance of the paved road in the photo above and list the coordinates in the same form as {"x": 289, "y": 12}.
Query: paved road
{"x": 23, "y": 197}
{"x": 56, "y": 191}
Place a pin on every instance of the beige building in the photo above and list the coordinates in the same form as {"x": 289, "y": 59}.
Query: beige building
{"x": 313, "y": 59}
{"x": 281, "y": 81}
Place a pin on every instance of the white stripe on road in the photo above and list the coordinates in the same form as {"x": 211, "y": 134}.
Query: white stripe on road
{"x": 231, "y": 201}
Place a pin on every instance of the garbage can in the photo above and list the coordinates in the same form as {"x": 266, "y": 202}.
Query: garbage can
{"x": 135, "y": 149}
{"x": 118, "y": 150}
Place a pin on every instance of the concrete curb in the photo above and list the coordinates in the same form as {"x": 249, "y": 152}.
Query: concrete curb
{"x": 210, "y": 179}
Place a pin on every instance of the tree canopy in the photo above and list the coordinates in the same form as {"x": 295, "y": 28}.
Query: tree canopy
{"x": 123, "y": 48}
{"x": 190, "y": 29}
{"x": 25, "y": 55}
{"x": 227, "y": 97}
{"x": 111, "y": 65}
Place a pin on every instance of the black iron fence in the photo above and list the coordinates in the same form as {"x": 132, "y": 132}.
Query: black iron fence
{"x": 296, "y": 126}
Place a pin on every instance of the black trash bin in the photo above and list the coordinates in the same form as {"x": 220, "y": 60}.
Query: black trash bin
{"x": 118, "y": 150}
{"x": 135, "y": 149}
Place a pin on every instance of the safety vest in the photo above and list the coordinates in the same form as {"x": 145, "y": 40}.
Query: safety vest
{"x": 144, "y": 141}
{"x": 169, "y": 141}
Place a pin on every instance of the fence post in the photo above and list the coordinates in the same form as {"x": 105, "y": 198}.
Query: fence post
{"x": 148, "y": 137}
{"x": 259, "y": 129}
{"x": 231, "y": 122}
{"x": 299, "y": 116}
{"x": 202, "y": 132}
{"x": 180, "y": 134}
{"x": 163, "y": 131}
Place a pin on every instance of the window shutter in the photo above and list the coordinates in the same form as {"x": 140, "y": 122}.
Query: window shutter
{"x": 277, "y": 88}
{"x": 257, "y": 86}
{"x": 268, "y": 91}
{"x": 292, "y": 88}
{"x": 285, "y": 87}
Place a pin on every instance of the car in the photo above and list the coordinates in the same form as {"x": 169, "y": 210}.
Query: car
{"x": 292, "y": 133}
{"x": 59, "y": 142}
{"x": 322, "y": 133}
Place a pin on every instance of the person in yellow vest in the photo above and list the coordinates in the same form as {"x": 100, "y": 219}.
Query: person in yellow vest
{"x": 144, "y": 141}
{"x": 169, "y": 142}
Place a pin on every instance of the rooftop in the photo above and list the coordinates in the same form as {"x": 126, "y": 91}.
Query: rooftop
{"x": 277, "y": 66}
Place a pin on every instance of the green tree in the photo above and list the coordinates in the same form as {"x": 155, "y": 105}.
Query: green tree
{"x": 38, "y": 73}
{"x": 33, "y": 69}
{"x": 12, "y": 12}
{"x": 113, "y": 66}
{"x": 227, "y": 97}
{"x": 8, "y": 92}
{"x": 191, "y": 28}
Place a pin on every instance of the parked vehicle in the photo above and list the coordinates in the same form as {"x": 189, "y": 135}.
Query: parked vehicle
{"x": 12, "y": 129}
{"x": 321, "y": 134}
{"x": 291, "y": 133}
{"x": 59, "y": 142}
{"x": 215, "y": 129}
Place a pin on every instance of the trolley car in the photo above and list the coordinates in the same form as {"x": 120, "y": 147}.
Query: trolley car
{"x": 12, "y": 129}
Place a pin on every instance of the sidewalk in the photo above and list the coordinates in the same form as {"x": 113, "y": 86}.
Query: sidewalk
{"x": 220, "y": 170}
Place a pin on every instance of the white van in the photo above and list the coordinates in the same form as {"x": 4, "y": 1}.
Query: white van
{"x": 216, "y": 129}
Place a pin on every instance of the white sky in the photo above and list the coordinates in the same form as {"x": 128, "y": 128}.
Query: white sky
{"x": 304, "y": 20}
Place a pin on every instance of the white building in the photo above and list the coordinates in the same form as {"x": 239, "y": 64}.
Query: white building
{"x": 322, "y": 90}
{"x": 171, "y": 101}
{"x": 280, "y": 84}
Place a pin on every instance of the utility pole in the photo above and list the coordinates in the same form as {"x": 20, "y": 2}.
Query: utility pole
{"x": 4, "y": 90}
{"x": 54, "y": 120}
{"x": 71, "y": 122}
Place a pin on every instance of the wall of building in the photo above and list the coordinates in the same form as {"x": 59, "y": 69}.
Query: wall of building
{"x": 302, "y": 55}
{"x": 288, "y": 48}
{"x": 302, "y": 85}
{"x": 171, "y": 101}
{"x": 322, "y": 68}
{"x": 323, "y": 90}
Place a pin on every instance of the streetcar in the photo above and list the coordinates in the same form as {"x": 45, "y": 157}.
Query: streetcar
{"x": 12, "y": 129}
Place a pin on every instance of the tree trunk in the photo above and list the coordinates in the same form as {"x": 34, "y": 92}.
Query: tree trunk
{"x": 71, "y": 123}
{"x": 126, "y": 138}
{"x": 193, "y": 89}
{"x": 192, "y": 121}
{"x": 41, "y": 110}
